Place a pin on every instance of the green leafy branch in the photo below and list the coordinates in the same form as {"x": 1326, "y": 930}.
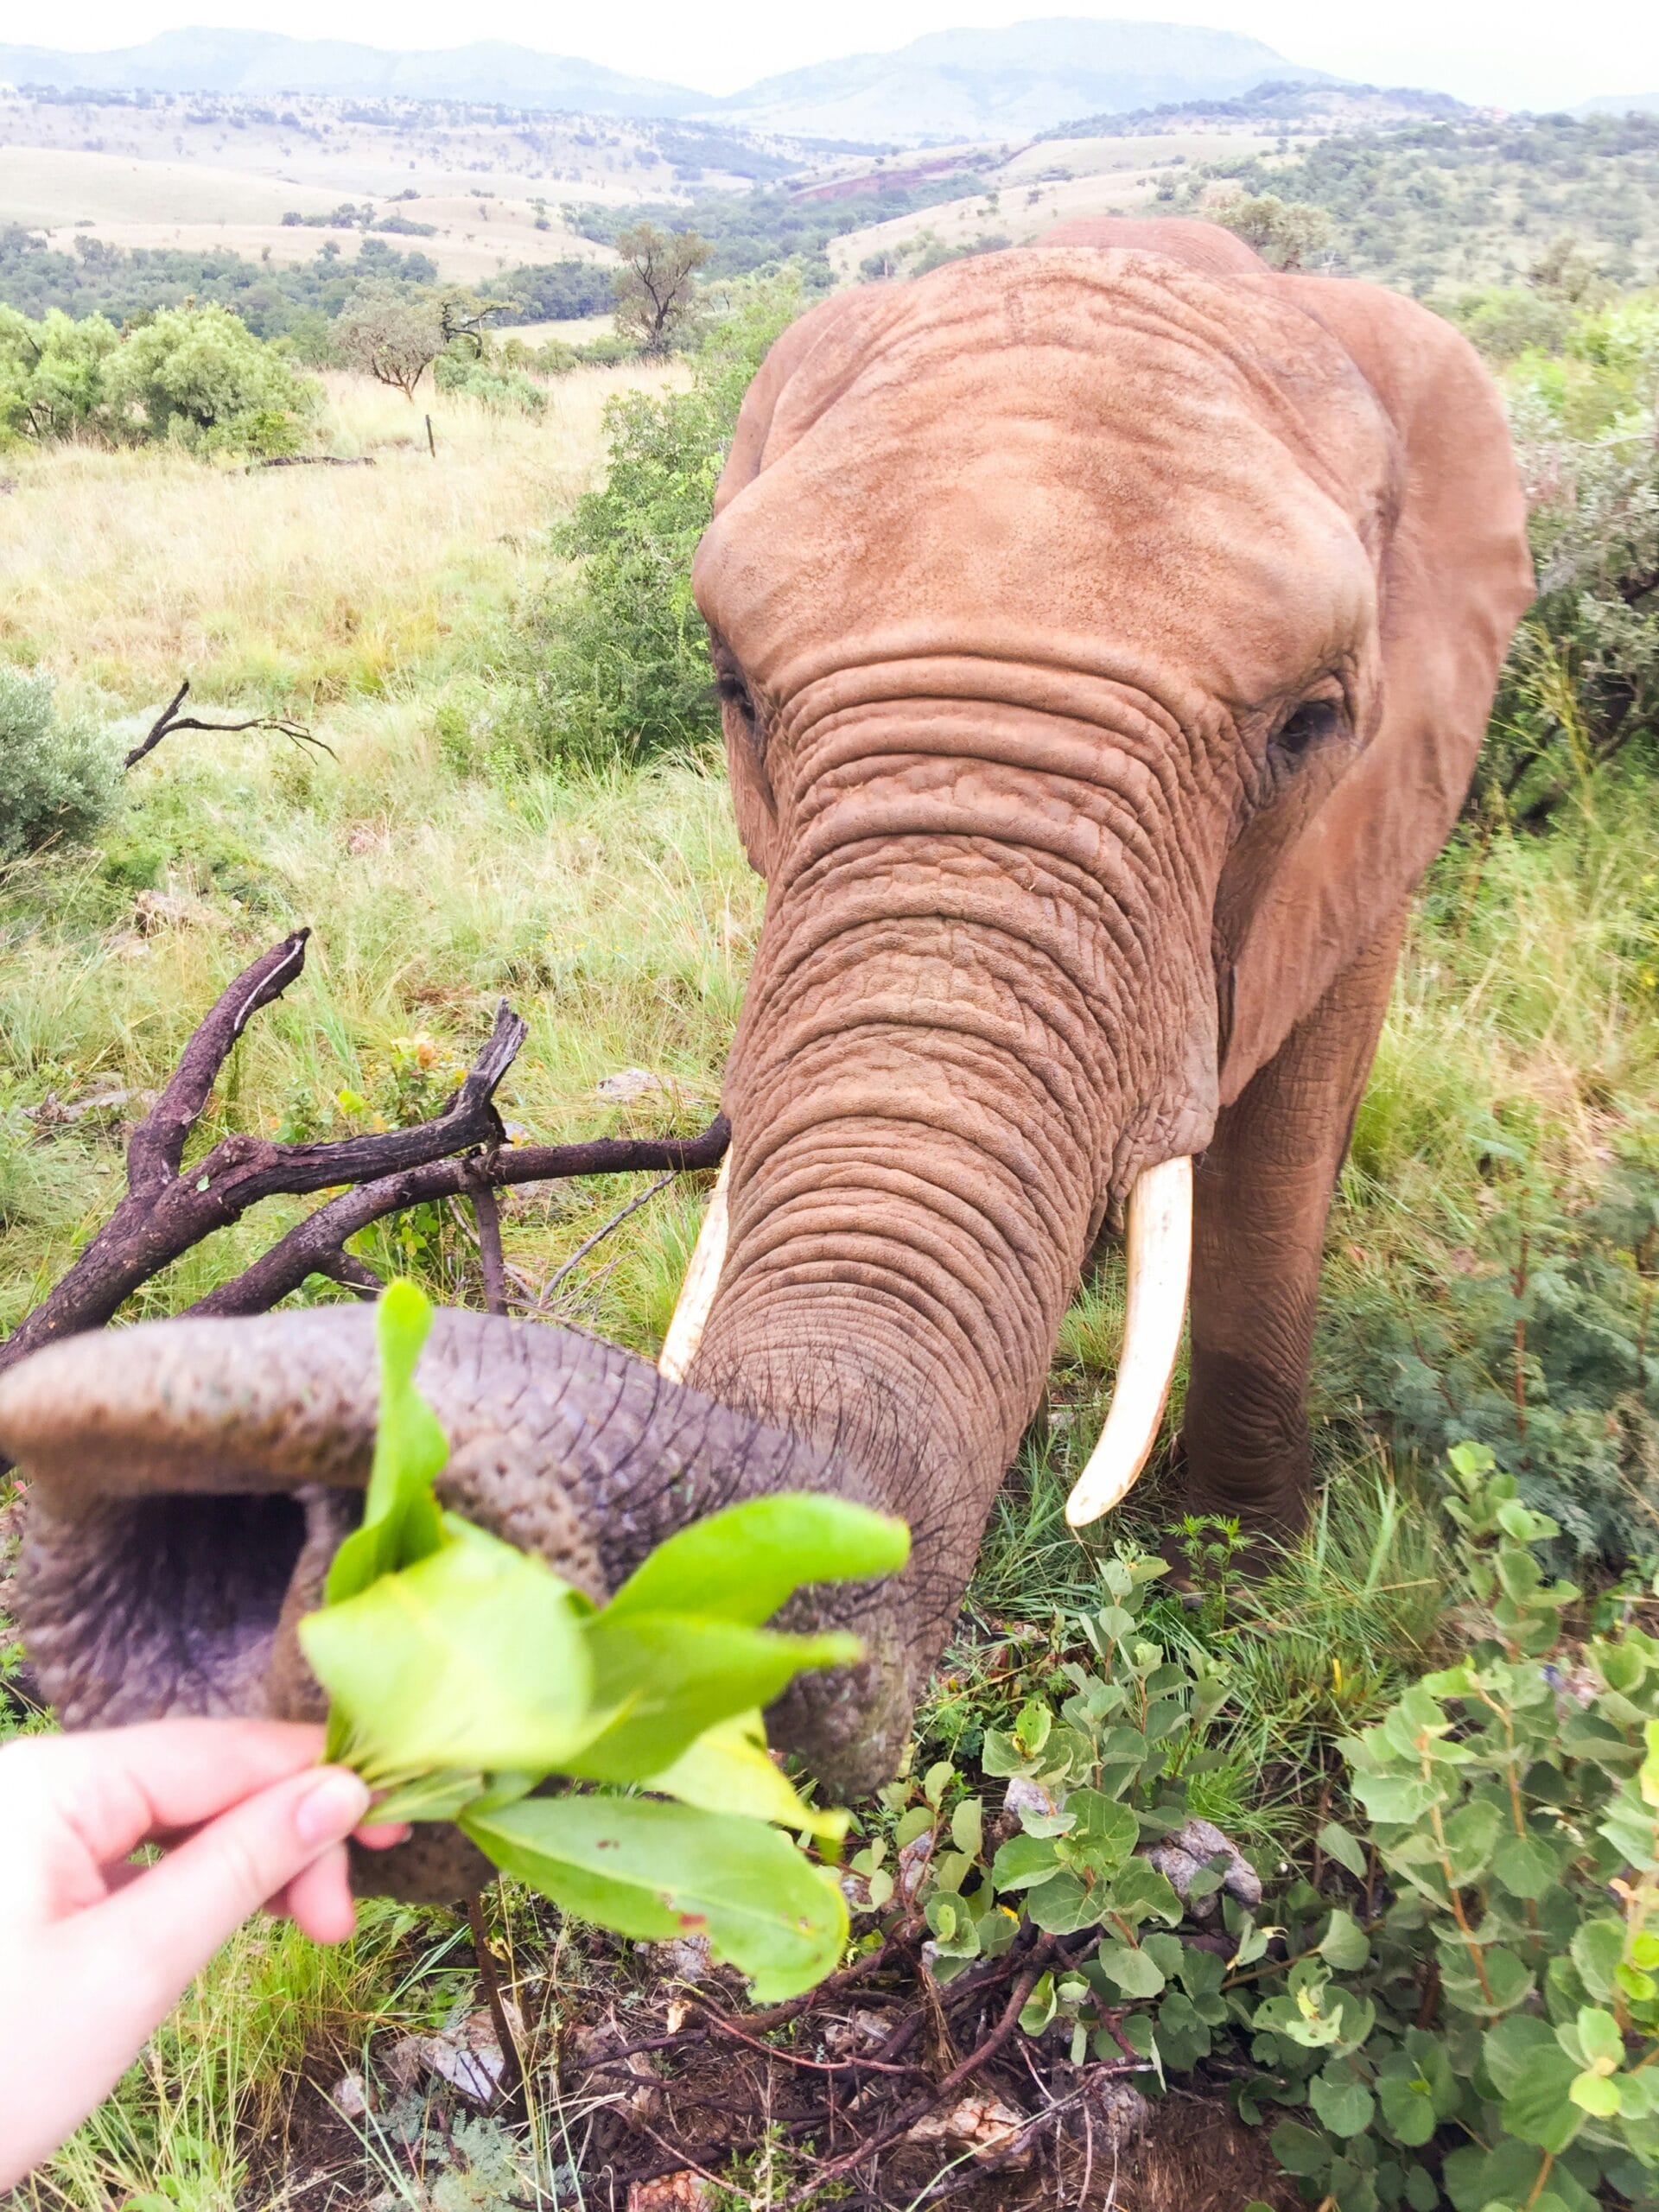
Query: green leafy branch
{"x": 463, "y": 1674}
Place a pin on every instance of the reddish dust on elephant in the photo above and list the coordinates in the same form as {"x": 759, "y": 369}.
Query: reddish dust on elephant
{"x": 1105, "y": 632}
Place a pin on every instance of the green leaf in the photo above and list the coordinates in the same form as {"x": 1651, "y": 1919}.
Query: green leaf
{"x": 1134, "y": 1973}
{"x": 1597, "y": 1947}
{"x": 967, "y": 1826}
{"x": 1299, "y": 2150}
{"x": 1064, "y": 1905}
{"x": 1344, "y": 1944}
{"x": 1538, "y": 2106}
{"x": 1347, "y": 1850}
{"x": 402, "y": 1523}
{"x": 1507, "y": 2048}
{"x": 1408, "y": 2107}
{"x": 651, "y": 1870}
{"x": 1343, "y": 2102}
{"x": 471, "y": 1659}
{"x": 1526, "y": 1866}
{"x": 1023, "y": 1861}
{"x": 1597, "y": 2094}
{"x": 741, "y": 1564}
{"x": 1039, "y": 2008}
{"x": 669, "y": 1676}
{"x": 1396, "y": 1799}
{"x": 1141, "y": 1892}
{"x": 1471, "y": 1834}
{"x": 1102, "y": 1833}
{"x": 728, "y": 1770}
{"x": 1599, "y": 2040}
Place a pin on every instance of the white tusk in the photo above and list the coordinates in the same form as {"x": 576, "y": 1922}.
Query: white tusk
{"x": 698, "y": 1291}
{"x": 1159, "y": 1264}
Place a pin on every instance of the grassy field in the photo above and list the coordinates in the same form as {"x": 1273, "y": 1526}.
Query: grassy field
{"x": 1512, "y": 1111}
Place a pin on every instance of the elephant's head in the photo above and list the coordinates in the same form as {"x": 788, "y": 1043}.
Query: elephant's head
{"x": 1105, "y": 638}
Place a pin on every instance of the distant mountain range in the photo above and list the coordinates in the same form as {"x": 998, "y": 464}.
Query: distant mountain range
{"x": 964, "y": 83}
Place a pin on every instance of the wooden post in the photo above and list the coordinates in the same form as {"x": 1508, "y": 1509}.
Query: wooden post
{"x": 431, "y": 442}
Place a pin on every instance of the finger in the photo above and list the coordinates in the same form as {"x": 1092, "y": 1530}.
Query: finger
{"x": 319, "y": 1899}
{"x": 169, "y": 1924}
{"x": 383, "y": 1837}
{"x": 109, "y": 1789}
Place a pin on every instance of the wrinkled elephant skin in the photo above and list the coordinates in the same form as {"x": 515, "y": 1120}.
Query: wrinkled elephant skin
{"x": 1106, "y": 631}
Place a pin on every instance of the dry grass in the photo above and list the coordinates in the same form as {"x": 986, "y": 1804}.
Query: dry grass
{"x": 122, "y": 571}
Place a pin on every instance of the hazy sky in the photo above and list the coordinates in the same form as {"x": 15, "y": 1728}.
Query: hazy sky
{"x": 1533, "y": 53}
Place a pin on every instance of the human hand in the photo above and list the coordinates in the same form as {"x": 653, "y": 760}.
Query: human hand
{"x": 95, "y": 1952}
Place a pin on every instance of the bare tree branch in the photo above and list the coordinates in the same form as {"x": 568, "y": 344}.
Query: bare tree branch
{"x": 170, "y": 720}
{"x": 166, "y": 1211}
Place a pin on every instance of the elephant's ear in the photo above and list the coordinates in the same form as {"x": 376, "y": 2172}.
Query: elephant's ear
{"x": 1455, "y": 577}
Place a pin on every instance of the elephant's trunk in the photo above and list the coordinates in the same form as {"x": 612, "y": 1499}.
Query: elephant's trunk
{"x": 981, "y": 1007}
{"x": 190, "y": 1481}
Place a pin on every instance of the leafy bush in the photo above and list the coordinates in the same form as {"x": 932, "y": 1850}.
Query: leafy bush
{"x": 1461, "y": 2008}
{"x": 199, "y": 375}
{"x": 58, "y": 779}
{"x": 507, "y": 390}
{"x": 621, "y": 658}
{"x": 53, "y": 375}
{"x": 1581, "y": 688}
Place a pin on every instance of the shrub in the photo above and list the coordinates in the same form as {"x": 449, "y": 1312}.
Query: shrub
{"x": 58, "y": 779}
{"x": 1580, "y": 690}
{"x": 621, "y": 657}
{"x": 507, "y": 390}
{"x": 1461, "y": 2008}
{"x": 199, "y": 374}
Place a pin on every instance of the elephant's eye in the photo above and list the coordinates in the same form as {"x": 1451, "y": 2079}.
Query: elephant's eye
{"x": 1314, "y": 720}
{"x": 732, "y": 691}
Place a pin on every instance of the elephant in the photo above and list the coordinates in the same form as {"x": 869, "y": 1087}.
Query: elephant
{"x": 1105, "y": 631}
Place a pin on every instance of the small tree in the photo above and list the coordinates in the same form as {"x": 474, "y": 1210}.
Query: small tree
{"x": 1287, "y": 233}
{"x": 53, "y": 374}
{"x": 393, "y": 335}
{"x": 655, "y": 287}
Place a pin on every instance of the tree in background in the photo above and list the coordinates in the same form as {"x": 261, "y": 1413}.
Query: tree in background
{"x": 1287, "y": 233}
{"x": 53, "y": 375}
{"x": 393, "y": 335}
{"x": 655, "y": 287}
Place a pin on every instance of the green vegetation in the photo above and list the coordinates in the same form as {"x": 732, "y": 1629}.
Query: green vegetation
{"x": 196, "y": 374}
{"x": 1458, "y": 2001}
{"x": 58, "y": 777}
{"x": 1442, "y": 207}
{"x": 750, "y": 232}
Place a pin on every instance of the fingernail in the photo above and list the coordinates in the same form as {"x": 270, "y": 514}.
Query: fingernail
{"x": 331, "y": 1807}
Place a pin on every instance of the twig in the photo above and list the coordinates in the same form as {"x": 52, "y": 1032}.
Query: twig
{"x": 908, "y": 2114}
{"x": 170, "y": 720}
{"x": 600, "y": 1234}
{"x": 512, "y": 2066}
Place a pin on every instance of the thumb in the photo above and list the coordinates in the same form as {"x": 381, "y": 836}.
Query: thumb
{"x": 168, "y": 1922}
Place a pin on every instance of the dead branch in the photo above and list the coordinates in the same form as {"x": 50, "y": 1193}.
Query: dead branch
{"x": 460, "y": 1152}
{"x": 314, "y": 1247}
{"x": 315, "y": 461}
{"x": 170, "y": 720}
{"x": 167, "y": 1210}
